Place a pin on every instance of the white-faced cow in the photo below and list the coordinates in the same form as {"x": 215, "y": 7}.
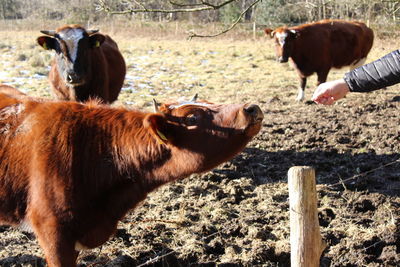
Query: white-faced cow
{"x": 317, "y": 47}
{"x": 86, "y": 65}
{"x": 70, "y": 171}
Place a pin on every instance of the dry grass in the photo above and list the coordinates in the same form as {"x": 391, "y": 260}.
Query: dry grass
{"x": 165, "y": 65}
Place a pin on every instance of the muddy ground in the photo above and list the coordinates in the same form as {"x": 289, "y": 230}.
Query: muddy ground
{"x": 237, "y": 214}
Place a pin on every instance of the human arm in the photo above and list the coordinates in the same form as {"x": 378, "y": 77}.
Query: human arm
{"x": 373, "y": 76}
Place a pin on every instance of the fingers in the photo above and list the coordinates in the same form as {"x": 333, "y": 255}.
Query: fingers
{"x": 329, "y": 101}
{"x": 325, "y": 100}
{"x": 321, "y": 95}
{"x": 327, "y": 93}
{"x": 317, "y": 97}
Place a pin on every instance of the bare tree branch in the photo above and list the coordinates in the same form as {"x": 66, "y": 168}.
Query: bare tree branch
{"x": 184, "y": 5}
{"x": 193, "y": 34}
{"x": 181, "y": 8}
{"x": 102, "y": 6}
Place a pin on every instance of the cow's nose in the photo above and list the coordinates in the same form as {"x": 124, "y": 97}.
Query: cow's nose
{"x": 254, "y": 111}
{"x": 73, "y": 78}
{"x": 282, "y": 60}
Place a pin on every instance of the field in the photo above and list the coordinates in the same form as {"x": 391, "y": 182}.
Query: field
{"x": 237, "y": 214}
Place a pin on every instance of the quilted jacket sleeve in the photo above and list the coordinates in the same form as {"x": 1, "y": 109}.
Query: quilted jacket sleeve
{"x": 375, "y": 75}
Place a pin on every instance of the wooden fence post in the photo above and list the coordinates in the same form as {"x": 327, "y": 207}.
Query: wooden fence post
{"x": 254, "y": 31}
{"x": 306, "y": 243}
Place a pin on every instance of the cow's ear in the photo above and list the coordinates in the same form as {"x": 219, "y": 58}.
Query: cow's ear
{"x": 47, "y": 42}
{"x": 269, "y": 32}
{"x": 96, "y": 40}
{"x": 156, "y": 123}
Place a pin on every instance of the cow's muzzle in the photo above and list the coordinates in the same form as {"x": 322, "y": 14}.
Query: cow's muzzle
{"x": 74, "y": 79}
{"x": 254, "y": 112}
{"x": 254, "y": 117}
{"x": 283, "y": 59}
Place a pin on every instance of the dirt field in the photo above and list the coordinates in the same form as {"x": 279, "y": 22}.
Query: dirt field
{"x": 237, "y": 214}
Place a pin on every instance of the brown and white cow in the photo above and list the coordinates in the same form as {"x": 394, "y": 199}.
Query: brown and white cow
{"x": 317, "y": 47}
{"x": 86, "y": 65}
{"x": 69, "y": 171}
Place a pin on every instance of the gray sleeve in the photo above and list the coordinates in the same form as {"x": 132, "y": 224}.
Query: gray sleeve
{"x": 375, "y": 75}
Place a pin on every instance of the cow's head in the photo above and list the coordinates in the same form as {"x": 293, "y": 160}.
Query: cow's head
{"x": 284, "y": 42}
{"x": 268, "y": 32}
{"x": 72, "y": 44}
{"x": 214, "y": 133}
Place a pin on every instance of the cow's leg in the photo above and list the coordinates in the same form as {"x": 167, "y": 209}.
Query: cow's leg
{"x": 300, "y": 95}
{"x": 322, "y": 76}
{"x": 59, "y": 251}
{"x": 57, "y": 244}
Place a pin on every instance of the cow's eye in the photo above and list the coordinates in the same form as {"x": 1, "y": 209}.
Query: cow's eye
{"x": 191, "y": 120}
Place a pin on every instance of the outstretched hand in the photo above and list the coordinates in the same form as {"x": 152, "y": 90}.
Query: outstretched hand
{"x": 327, "y": 93}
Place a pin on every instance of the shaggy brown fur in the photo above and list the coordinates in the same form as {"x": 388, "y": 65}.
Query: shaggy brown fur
{"x": 70, "y": 171}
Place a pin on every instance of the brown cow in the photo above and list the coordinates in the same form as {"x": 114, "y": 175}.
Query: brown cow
{"x": 319, "y": 46}
{"x": 70, "y": 171}
{"x": 86, "y": 65}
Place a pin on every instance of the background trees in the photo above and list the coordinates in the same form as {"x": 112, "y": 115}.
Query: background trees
{"x": 265, "y": 12}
